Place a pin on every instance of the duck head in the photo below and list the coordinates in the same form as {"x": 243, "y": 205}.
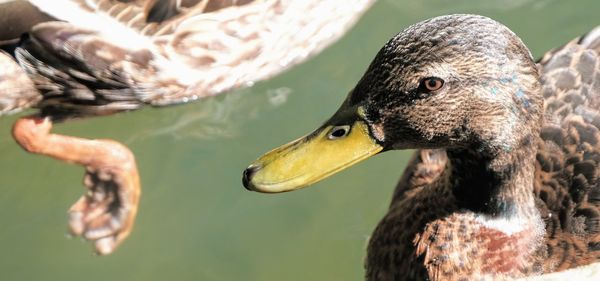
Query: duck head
{"x": 455, "y": 82}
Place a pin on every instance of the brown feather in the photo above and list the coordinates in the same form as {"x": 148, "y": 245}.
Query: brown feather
{"x": 440, "y": 225}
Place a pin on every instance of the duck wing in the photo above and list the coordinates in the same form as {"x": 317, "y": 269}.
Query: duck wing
{"x": 568, "y": 158}
{"x": 80, "y": 74}
{"x": 111, "y": 55}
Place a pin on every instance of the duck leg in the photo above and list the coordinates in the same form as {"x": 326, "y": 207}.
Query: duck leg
{"x": 106, "y": 213}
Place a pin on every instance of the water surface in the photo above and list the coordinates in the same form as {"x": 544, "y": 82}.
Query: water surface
{"x": 196, "y": 222}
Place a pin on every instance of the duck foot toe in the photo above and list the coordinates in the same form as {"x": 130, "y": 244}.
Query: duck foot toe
{"x": 106, "y": 213}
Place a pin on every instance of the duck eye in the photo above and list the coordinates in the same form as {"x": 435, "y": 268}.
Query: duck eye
{"x": 431, "y": 84}
{"x": 338, "y": 132}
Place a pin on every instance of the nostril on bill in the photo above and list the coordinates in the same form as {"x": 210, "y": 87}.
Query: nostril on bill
{"x": 247, "y": 176}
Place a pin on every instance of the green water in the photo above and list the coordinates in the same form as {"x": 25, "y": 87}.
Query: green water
{"x": 196, "y": 221}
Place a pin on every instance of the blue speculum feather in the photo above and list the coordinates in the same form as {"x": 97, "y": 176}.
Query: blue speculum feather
{"x": 522, "y": 97}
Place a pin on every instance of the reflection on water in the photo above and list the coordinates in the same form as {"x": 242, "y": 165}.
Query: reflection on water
{"x": 196, "y": 221}
{"x": 214, "y": 118}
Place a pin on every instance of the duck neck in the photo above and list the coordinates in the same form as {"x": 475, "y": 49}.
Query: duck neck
{"x": 497, "y": 183}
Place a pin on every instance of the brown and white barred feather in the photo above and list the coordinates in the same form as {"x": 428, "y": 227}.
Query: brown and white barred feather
{"x": 566, "y": 185}
{"x": 16, "y": 89}
{"x": 109, "y": 55}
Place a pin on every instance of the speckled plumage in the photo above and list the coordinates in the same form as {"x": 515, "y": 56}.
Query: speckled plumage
{"x": 109, "y": 56}
{"x": 506, "y": 182}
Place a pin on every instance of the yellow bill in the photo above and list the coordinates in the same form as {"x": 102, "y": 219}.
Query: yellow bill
{"x": 310, "y": 159}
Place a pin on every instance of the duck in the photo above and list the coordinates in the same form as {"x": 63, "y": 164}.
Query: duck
{"x": 503, "y": 184}
{"x": 89, "y": 58}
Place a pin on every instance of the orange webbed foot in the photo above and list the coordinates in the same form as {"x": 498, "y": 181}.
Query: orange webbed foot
{"x": 106, "y": 213}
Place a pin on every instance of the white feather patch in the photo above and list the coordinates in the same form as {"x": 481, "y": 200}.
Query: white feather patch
{"x": 111, "y": 29}
{"x": 589, "y": 272}
{"x": 511, "y": 225}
